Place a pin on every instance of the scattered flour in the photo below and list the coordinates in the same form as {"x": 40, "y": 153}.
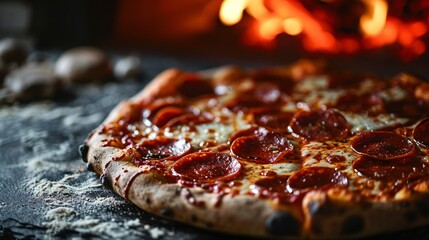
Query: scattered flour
{"x": 155, "y": 232}
{"x": 64, "y": 218}
{"x": 63, "y": 186}
{"x": 40, "y": 110}
{"x": 32, "y": 138}
{"x": 106, "y": 201}
{"x": 78, "y": 119}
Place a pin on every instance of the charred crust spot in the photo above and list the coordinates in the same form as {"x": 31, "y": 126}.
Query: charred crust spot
{"x": 194, "y": 218}
{"x": 411, "y": 216}
{"x": 83, "y": 152}
{"x": 106, "y": 181}
{"x": 90, "y": 167}
{"x": 423, "y": 207}
{"x": 166, "y": 212}
{"x": 404, "y": 204}
{"x": 316, "y": 229}
{"x": 352, "y": 224}
{"x": 209, "y": 224}
{"x": 148, "y": 201}
{"x": 282, "y": 223}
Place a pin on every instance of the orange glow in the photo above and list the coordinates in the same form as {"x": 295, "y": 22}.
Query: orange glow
{"x": 266, "y": 19}
{"x": 231, "y": 11}
{"x": 257, "y": 9}
{"x": 372, "y": 22}
{"x": 418, "y": 28}
{"x": 270, "y": 28}
{"x": 419, "y": 47}
{"x": 292, "y": 26}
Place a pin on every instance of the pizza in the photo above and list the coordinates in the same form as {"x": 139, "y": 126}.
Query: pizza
{"x": 290, "y": 151}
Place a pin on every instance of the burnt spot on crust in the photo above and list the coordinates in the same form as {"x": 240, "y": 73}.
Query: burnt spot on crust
{"x": 148, "y": 201}
{"x": 106, "y": 181}
{"x": 352, "y": 224}
{"x": 422, "y": 207}
{"x": 167, "y": 212}
{"x": 282, "y": 223}
{"x": 194, "y": 218}
{"x": 411, "y": 216}
{"x": 83, "y": 152}
{"x": 90, "y": 167}
{"x": 209, "y": 224}
{"x": 317, "y": 229}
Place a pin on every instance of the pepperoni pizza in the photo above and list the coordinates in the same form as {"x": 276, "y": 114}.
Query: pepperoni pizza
{"x": 296, "y": 151}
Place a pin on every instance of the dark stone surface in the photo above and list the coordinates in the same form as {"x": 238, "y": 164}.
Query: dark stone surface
{"x": 39, "y": 144}
{"x": 50, "y": 133}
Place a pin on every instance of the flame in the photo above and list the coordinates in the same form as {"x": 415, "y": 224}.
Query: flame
{"x": 292, "y": 26}
{"x": 270, "y": 28}
{"x": 266, "y": 19}
{"x": 231, "y": 11}
{"x": 373, "y": 21}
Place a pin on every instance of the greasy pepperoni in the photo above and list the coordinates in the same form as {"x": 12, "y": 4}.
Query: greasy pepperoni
{"x": 382, "y": 145}
{"x": 150, "y": 111}
{"x": 265, "y": 147}
{"x": 319, "y": 125}
{"x": 366, "y": 103}
{"x": 398, "y": 169}
{"x": 274, "y": 120}
{"x": 166, "y": 114}
{"x": 284, "y": 82}
{"x": 246, "y": 132}
{"x": 410, "y": 108}
{"x": 421, "y": 133}
{"x": 207, "y": 166}
{"x": 163, "y": 148}
{"x": 266, "y": 93}
{"x": 262, "y": 97}
{"x": 194, "y": 86}
{"x": 316, "y": 177}
{"x": 248, "y": 104}
{"x": 190, "y": 119}
{"x": 273, "y": 184}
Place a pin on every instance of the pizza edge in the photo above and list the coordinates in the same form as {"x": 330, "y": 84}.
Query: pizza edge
{"x": 244, "y": 215}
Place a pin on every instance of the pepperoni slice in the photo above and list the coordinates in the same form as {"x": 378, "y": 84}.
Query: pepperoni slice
{"x": 273, "y": 184}
{"x": 421, "y": 133}
{"x": 382, "y": 145}
{"x": 316, "y": 177}
{"x": 194, "y": 86}
{"x": 274, "y": 120}
{"x": 207, "y": 167}
{"x": 246, "y": 132}
{"x": 283, "y": 81}
{"x": 370, "y": 103}
{"x": 163, "y": 148}
{"x": 189, "y": 119}
{"x": 159, "y": 104}
{"x": 265, "y": 147}
{"x": 266, "y": 93}
{"x": 400, "y": 169}
{"x": 263, "y": 97}
{"x": 166, "y": 114}
{"x": 320, "y": 125}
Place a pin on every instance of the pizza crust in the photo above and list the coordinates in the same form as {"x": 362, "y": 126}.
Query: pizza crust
{"x": 322, "y": 215}
{"x": 147, "y": 189}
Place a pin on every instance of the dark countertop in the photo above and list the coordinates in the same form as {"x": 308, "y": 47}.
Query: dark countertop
{"x": 45, "y": 190}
